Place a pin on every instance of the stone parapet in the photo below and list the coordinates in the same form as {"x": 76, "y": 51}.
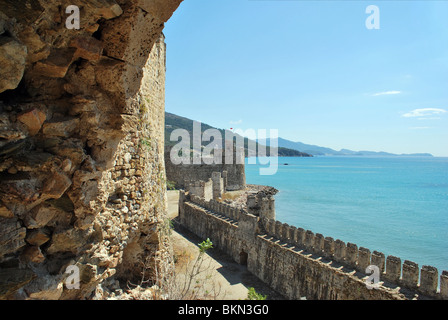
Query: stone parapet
{"x": 290, "y": 246}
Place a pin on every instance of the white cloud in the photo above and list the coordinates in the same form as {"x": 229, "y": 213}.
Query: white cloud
{"x": 236, "y": 122}
{"x": 424, "y": 113}
{"x": 386, "y": 93}
{"x": 430, "y": 118}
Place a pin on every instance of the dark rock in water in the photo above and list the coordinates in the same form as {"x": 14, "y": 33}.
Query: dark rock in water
{"x": 285, "y": 164}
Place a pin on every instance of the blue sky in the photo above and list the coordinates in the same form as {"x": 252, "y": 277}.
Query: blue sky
{"x": 312, "y": 70}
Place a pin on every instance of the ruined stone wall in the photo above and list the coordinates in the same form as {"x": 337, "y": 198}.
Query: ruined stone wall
{"x": 82, "y": 177}
{"x": 178, "y": 173}
{"x": 203, "y": 189}
{"x": 298, "y": 263}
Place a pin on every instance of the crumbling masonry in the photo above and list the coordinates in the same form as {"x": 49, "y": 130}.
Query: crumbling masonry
{"x": 82, "y": 174}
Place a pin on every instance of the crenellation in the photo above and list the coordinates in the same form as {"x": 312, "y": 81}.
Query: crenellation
{"x": 351, "y": 254}
{"x": 251, "y": 201}
{"x": 216, "y": 206}
{"x": 444, "y": 285}
{"x": 363, "y": 259}
{"x": 285, "y": 233}
{"x": 328, "y": 247}
{"x": 269, "y": 226}
{"x": 218, "y": 185}
{"x": 213, "y": 205}
{"x": 206, "y": 205}
{"x": 290, "y": 234}
{"x": 222, "y": 208}
{"x": 240, "y": 213}
{"x": 339, "y": 251}
{"x": 267, "y": 207}
{"x": 318, "y": 244}
{"x": 278, "y": 229}
{"x": 273, "y": 227}
{"x": 235, "y": 214}
{"x": 428, "y": 280}
{"x": 202, "y": 189}
{"x": 393, "y": 269}
{"x": 378, "y": 259}
{"x": 226, "y": 209}
{"x": 264, "y": 225}
{"x": 309, "y": 240}
{"x": 229, "y": 211}
{"x": 299, "y": 237}
{"x": 224, "y": 179}
{"x": 410, "y": 274}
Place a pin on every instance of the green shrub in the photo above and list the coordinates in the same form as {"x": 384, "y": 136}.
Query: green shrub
{"x": 253, "y": 295}
{"x": 171, "y": 185}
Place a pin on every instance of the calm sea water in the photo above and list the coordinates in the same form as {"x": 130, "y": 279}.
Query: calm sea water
{"x": 395, "y": 205}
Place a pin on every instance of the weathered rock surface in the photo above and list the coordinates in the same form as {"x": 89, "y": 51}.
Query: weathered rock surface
{"x": 12, "y": 63}
{"x": 12, "y": 236}
{"x": 56, "y": 64}
{"x": 87, "y": 48}
{"x": 73, "y": 105}
{"x": 33, "y": 120}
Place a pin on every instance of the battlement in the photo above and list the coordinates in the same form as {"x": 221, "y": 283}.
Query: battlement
{"x": 223, "y": 209}
{"x": 269, "y": 243}
{"x": 203, "y": 189}
{"x": 231, "y": 168}
{"x": 213, "y": 188}
{"x": 406, "y": 274}
{"x": 262, "y": 204}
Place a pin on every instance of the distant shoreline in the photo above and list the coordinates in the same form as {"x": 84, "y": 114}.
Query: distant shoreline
{"x": 360, "y": 156}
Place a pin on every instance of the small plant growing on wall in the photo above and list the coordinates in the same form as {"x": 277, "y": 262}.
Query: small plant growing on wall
{"x": 205, "y": 245}
{"x": 254, "y": 295}
{"x": 145, "y": 142}
{"x": 171, "y": 185}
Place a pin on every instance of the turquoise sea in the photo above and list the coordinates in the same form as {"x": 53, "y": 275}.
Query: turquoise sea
{"x": 395, "y": 205}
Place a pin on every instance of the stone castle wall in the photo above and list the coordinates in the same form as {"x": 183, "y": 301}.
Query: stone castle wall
{"x": 82, "y": 176}
{"x": 298, "y": 263}
{"x": 235, "y": 176}
{"x": 203, "y": 189}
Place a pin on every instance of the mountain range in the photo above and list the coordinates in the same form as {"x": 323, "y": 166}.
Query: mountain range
{"x": 324, "y": 151}
{"x": 173, "y": 122}
{"x": 286, "y": 148}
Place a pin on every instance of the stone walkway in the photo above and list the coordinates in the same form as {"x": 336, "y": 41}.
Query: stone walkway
{"x": 226, "y": 279}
